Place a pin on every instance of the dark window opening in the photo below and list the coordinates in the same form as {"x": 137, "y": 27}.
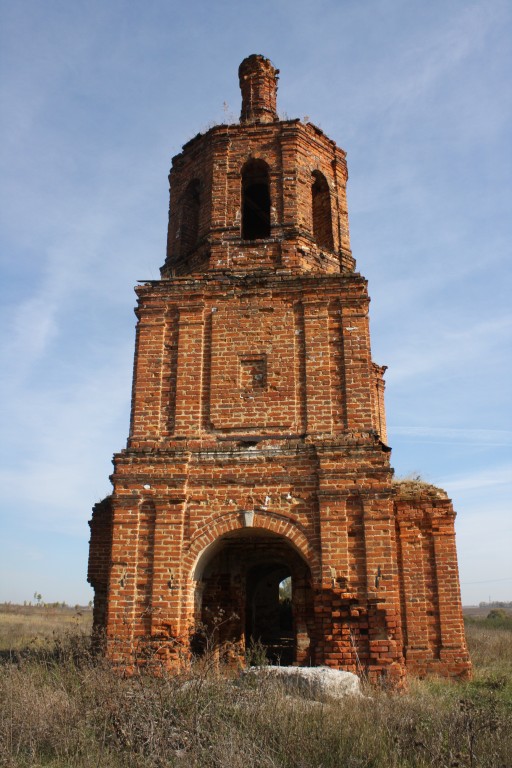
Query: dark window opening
{"x": 255, "y": 201}
{"x": 322, "y": 220}
{"x": 190, "y": 207}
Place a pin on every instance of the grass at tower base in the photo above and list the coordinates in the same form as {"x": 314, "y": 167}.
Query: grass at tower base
{"x": 61, "y": 706}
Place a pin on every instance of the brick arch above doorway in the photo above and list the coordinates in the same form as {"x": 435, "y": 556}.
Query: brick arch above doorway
{"x": 263, "y": 521}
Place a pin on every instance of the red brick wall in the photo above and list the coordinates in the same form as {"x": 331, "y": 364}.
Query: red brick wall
{"x": 293, "y": 151}
{"x": 258, "y": 436}
{"x": 432, "y": 611}
{"x": 100, "y": 558}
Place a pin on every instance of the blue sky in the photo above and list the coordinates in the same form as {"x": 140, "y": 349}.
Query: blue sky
{"x": 96, "y": 98}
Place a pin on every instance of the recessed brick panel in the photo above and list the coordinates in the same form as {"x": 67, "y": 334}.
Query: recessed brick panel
{"x": 251, "y": 340}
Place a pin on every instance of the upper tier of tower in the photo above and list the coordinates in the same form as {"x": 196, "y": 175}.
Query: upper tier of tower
{"x": 260, "y": 194}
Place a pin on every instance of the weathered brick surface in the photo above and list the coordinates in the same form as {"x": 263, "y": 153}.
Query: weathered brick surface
{"x": 257, "y": 447}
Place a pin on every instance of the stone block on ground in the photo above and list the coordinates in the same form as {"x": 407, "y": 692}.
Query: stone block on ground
{"x": 317, "y": 683}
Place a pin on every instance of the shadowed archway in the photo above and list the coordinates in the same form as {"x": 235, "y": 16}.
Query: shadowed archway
{"x": 239, "y": 600}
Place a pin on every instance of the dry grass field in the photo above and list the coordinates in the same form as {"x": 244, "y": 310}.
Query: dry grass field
{"x": 60, "y": 707}
{"x": 25, "y": 626}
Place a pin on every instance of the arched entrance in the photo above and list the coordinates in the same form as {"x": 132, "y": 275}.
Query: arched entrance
{"x": 253, "y": 590}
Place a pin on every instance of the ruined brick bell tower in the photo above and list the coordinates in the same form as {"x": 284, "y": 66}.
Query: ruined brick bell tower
{"x": 255, "y": 498}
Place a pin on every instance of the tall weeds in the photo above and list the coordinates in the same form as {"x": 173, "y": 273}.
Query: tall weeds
{"x": 61, "y": 707}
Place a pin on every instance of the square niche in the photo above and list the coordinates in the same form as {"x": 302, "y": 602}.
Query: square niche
{"x": 253, "y": 372}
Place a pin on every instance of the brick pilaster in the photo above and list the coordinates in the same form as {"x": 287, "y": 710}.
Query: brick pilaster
{"x": 187, "y": 420}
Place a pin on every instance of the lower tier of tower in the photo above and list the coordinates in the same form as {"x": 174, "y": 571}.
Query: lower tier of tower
{"x": 309, "y": 553}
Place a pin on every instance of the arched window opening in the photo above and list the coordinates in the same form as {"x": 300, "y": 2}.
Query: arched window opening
{"x": 190, "y": 207}
{"x": 322, "y": 220}
{"x": 255, "y": 201}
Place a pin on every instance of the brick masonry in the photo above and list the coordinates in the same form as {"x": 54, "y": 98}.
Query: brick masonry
{"x": 257, "y": 448}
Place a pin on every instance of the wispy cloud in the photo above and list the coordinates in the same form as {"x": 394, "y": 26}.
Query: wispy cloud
{"x": 442, "y": 347}
{"x": 492, "y": 437}
{"x": 65, "y": 467}
{"x": 418, "y": 95}
{"x": 483, "y": 479}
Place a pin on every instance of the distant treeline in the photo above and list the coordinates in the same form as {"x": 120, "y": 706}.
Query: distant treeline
{"x": 8, "y": 606}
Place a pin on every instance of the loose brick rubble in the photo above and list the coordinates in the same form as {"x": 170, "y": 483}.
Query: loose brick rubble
{"x": 257, "y": 449}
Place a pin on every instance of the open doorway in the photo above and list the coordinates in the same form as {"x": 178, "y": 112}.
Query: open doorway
{"x": 254, "y": 589}
{"x": 269, "y": 612}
